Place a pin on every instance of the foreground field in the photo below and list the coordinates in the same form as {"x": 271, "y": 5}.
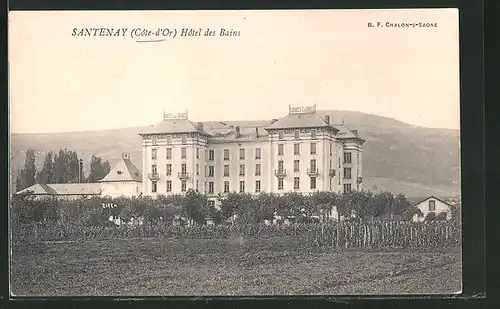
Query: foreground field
{"x": 281, "y": 265}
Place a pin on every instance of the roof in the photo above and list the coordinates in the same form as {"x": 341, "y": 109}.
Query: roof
{"x": 293, "y": 121}
{"x": 124, "y": 170}
{"x": 174, "y": 126}
{"x": 245, "y": 135}
{"x": 346, "y": 133}
{"x": 64, "y": 189}
{"x": 436, "y": 198}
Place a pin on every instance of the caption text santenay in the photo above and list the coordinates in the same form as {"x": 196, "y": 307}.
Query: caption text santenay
{"x": 148, "y": 33}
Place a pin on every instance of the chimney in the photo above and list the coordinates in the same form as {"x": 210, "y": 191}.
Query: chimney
{"x": 327, "y": 119}
{"x": 80, "y": 170}
{"x": 256, "y": 131}
{"x": 273, "y": 121}
{"x": 125, "y": 156}
{"x": 237, "y": 131}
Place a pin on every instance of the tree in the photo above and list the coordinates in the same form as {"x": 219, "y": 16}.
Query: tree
{"x": 456, "y": 213}
{"x": 66, "y": 167}
{"x": 46, "y": 175}
{"x": 98, "y": 169}
{"x": 266, "y": 203}
{"x": 382, "y": 204}
{"x": 195, "y": 207}
{"x": 400, "y": 205}
{"x": 431, "y": 216}
{"x": 27, "y": 175}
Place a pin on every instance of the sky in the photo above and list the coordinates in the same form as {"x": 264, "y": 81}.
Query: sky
{"x": 59, "y": 82}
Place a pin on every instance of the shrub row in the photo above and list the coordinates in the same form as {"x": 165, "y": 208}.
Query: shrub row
{"x": 345, "y": 235}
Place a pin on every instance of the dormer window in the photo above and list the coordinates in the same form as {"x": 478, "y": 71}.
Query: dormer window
{"x": 119, "y": 172}
{"x": 281, "y": 134}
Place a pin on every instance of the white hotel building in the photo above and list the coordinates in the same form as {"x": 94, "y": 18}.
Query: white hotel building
{"x": 301, "y": 152}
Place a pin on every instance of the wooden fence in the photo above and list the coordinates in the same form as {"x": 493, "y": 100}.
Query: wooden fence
{"x": 345, "y": 235}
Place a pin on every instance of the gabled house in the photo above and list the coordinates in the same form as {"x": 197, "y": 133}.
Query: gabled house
{"x": 434, "y": 205}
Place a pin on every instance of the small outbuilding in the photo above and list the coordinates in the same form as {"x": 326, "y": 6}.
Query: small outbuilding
{"x": 432, "y": 205}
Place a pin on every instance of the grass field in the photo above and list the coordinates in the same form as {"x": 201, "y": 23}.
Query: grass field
{"x": 168, "y": 267}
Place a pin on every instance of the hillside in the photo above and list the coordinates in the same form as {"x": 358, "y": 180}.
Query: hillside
{"x": 397, "y": 156}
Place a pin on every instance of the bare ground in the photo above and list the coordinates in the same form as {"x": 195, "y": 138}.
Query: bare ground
{"x": 274, "y": 266}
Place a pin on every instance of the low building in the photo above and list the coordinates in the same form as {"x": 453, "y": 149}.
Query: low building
{"x": 124, "y": 179}
{"x": 67, "y": 191}
{"x": 434, "y": 205}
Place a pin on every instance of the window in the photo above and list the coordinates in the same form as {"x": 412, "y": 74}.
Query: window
{"x": 226, "y": 186}
{"x": 154, "y": 186}
{"x": 280, "y": 166}
{"x": 211, "y": 171}
{"x": 257, "y": 153}
{"x": 184, "y": 138}
{"x": 226, "y": 170}
{"x": 281, "y": 134}
{"x": 211, "y": 155}
{"x": 347, "y": 187}
{"x": 154, "y": 169}
{"x": 331, "y": 149}
{"x": 313, "y": 165}
{"x": 153, "y": 140}
{"x": 296, "y": 134}
{"x": 183, "y": 168}
{"x": 211, "y": 187}
{"x": 296, "y": 149}
{"x": 347, "y": 157}
{"x": 196, "y": 185}
{"x": 197, "y": 153}
{"x": 169, "y": 169}
{"x": 154, "y": 154}
{"x": 257, "y": 169}
{"x": 313, "y": 182}
{"x": 296, "y": 165}
{"x": 169, "y": 153}
{"x": 226, "y": 154}
{"x": 183, "y": 153}
{"x": 296, "y": 183}
{"x": 313, "y": 148}
{"x": 242, "y": 186}
{"x": 357, "y": 158}
{"x": 242, "y": 154}
{"x": 242, "y": 169}
{"x": 313, "y": 134}
{"x": 281, "y": 149}
{"x": 183, "y": 186}
{"x": 211, "y": 203}
{"x": 432, "y": 205}
{"x": 347, "y": 173}
{"x": 257, "y": 186}
{"x": 169, "y": 139}
{"x": 197, "y": 169}
{"x": 280, "y": 183}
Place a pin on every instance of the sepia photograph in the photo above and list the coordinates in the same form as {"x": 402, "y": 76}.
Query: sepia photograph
{"x": 234, "y": 153}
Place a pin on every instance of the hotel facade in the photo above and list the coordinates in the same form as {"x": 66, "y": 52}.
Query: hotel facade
{"x": 301, "y": 152}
